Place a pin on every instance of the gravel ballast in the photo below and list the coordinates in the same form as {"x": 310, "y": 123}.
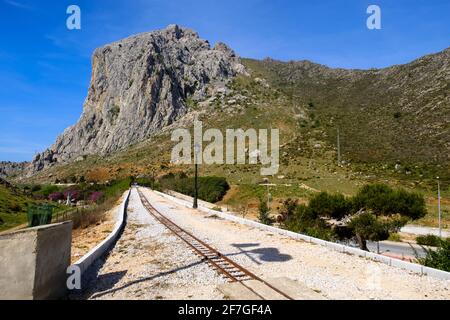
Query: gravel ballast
{"x": 335, "y": 275}
{"x": 150, "y": 262}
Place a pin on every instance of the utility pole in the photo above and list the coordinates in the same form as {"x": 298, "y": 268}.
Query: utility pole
{"x": 196, "y": 152}
{"x": 339, "y": 147}
{"x": 439, "y": 207}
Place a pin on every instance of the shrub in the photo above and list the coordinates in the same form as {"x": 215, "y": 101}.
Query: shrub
{"x": 264, "y": 216}
{"x": 383, "y": 200}
{"x": 439, "y": 258}
{"x": 47, "y": 190}
{"x": 149, "y": 183}
{"x": 367, "y": 226}
{"x": 96, "y": 196}
{"x": 332, "y": 206}
{"x": 74, "y": 194}
{"x": 303, "y": 220}
{"x": 428, "y": 240}
{"x": 210, "y": 189}
{"x": 117, "y": 187}
{"x": 343, "y": 232}
{"x": 15, "y": 207}
{"x": 287, "y": 212}
{"x": 55, "y": 196}
{"x": 39, "y": 197}
{"x": 397, "y": 114}
{"x": 395, "y": 237}
{"x": 373, "y": 214}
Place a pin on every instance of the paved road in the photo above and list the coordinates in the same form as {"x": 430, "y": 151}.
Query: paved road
{"x": 420, "y": 230}
{"x": 397, "y": 248}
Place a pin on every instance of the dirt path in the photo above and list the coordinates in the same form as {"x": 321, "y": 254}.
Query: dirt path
{"x": 335, "y": 275}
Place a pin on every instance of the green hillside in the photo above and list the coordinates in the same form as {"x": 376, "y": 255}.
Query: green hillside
{"x": 393, "y": 127}
{"x": 13, "y": 206}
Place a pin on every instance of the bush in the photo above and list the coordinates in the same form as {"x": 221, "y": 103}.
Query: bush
{"x": 47, "y": 190}
{"x": 395, "y": 237}
{"x": 373, "y": 214}
{"x": 39, "y": 197}
{"x": 328, "y": 205}
{"x": 439, "y": 258}
{"x": 287, "y": 212}
{"x": 302, "y": 220}
{"x": 117, "y": 187}
{"x": 397, "y": 114}
{"x": 74, "y": 194}
{"x": 210, "y": 189}
{"x": 428, "y": 240}
{"x": 55, "y": 196}
{"x": 15, "y": 207}
{"x": 149, "y": 183}
{"x": 383, "y": 200}
{"x": 343, "y": 232}
{"x": 96, "y": 197}
{"x": 367, "y": 226}
{"x": 104, "y": 195}
{"x": 264, "y": 216}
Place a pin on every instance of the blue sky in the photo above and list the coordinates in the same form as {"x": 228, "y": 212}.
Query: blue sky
{"x": 45, "y": 68}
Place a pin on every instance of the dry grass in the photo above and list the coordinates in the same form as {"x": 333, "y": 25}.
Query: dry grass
{"x": 83, "y": 218}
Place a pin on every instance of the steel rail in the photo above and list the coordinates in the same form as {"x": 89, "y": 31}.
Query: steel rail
{"x": 233, "y": 271}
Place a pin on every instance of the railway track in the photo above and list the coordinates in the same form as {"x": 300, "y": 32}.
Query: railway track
{"x": 222, "y": 264}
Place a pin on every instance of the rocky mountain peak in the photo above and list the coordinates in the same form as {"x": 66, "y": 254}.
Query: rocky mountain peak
{"x": 140, "y": 85}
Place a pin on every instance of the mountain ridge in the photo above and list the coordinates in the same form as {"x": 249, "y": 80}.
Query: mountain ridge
{"x": 386, "y": 97}
{"x": 138, "y": 86}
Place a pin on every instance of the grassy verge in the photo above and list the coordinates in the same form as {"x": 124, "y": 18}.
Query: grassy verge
{"x": 95, "y": 213}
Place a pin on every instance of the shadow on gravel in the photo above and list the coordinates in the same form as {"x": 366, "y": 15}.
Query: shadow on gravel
{"x": 263, "y": 254}
{"x": 131, "y": 283}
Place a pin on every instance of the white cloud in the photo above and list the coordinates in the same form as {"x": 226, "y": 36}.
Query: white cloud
{"x": 18, "y": 4}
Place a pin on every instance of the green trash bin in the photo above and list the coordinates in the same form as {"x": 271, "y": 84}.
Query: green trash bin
{"x": 39, "y": 215}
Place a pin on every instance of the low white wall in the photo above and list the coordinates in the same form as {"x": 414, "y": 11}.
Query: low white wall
{"x": 86, "y": 261}
{"x": 203, "y": 203}
{"x": 413, "y": 267}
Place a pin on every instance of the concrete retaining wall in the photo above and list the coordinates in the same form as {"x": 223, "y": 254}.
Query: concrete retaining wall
{"x": 33, "y": 262}
{"x": 86, "y": 261}
{"x": 413, "y": 267}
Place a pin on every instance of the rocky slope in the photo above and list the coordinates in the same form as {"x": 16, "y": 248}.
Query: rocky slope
{"x": 148, "y": 82}
{"x": 396, "y": 113}
{"x": 9, "y": 169}
{"x": 138, "y": 86}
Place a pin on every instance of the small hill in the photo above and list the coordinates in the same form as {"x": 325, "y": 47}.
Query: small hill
{"x": 13, "y": 206}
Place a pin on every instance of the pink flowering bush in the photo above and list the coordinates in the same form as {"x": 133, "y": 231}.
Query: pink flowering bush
{"x": 96, "y": 196}
{"x": 55, "y": 196}
{"x": 74, "y": 194}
